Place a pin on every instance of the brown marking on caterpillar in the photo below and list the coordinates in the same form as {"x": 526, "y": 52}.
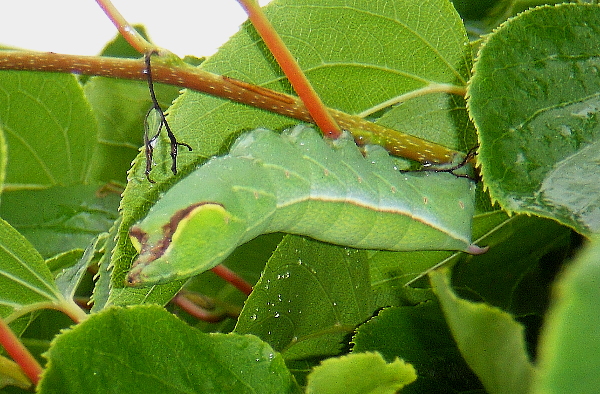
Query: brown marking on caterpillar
{"x": 171, "y": 226}
{"x": 169, "y": 229}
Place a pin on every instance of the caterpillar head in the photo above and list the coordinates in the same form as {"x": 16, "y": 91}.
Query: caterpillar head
{"x": 195, "y": 239}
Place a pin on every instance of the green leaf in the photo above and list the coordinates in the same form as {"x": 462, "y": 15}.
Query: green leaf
{"x": 359, "y": 373}
{"x": 102, "y": 287}
{"x": 58, "y": 219}
{"x": 147, "y": 350}
{"x": 12, "y": 375}
{"x": 119, "y": 47}
{"x": 50, "y": 130}
{"x": 310, "y": 296}
{"x": 69, "y": 278}
{"x": 490, "y": 340}
{"x": 247, "y": 261}
{"x": 570, "y": 342}
{"x": 534, "y": 98}
{"x": 25, "y": 281}
{"x": 420, "y": 336}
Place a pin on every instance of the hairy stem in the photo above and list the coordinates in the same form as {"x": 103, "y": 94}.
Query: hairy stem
{"x": 19, "y": 353}
{"x": 322, "y": 117}
{"x": 183, "y": 75}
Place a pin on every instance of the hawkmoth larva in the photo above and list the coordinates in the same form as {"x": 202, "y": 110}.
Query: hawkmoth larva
{"x": 298, "y": 183}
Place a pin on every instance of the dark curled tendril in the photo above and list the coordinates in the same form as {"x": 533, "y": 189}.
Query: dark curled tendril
{"x": 470, "y": 155}
{"x": 149, "y": 142}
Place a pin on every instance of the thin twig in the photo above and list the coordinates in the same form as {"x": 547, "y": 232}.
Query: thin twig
{"x": 322, "y": 117}
{"x": 134, "y": 39}
{"x": 233, "y": 278}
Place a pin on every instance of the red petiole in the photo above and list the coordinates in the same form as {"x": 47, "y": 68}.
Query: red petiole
{"x": 322, "y": 117}
{"x": 19, "y": 353}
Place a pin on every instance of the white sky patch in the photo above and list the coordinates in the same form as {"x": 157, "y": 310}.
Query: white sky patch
{"x": 79, "y": 27}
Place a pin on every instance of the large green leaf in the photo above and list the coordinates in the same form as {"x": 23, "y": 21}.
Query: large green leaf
{"x": 534, "y": 98}
{"x": 308, "y": 299}
{"x": 147, "y": 350}
{"x": 382, "y": 50}
{"x": 50, "y": 129}
{"x": 570, "y": 343}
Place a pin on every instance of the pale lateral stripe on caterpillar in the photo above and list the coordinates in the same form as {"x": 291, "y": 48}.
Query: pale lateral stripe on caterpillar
{"x": 298, "y": 183}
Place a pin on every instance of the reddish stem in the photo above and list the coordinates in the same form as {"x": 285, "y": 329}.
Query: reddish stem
{"x": 134, "y": 39}
{"x": 19, "y": 353}
{"x": 292, "y": 70}
{"x": 233, "y": 278}
{"x": 198, "y": 312}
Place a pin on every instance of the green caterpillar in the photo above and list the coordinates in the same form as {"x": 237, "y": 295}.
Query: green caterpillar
{"x": 297, "y": 183}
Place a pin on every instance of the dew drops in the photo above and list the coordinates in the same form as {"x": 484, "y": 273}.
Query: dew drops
{"x": 285, "y": 275}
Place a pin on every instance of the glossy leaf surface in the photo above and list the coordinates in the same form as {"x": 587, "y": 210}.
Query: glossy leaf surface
{"x": 534, "y": 99}
{"x": 141, "y": 340}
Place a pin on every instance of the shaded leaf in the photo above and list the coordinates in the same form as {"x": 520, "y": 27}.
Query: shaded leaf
{"x": 534, "y": 98}
{"x": 64, "y": 260}
{"x": 69, "y": 278}
{"x": 58, "y": 219}
{"x": 515, "y": 273}
{"x": 420, "y": 336}
{"x": 570, "y": 341}
{"x": 490, "y": 340}
{"x": 360, "y": 373}
{"x": 147, "y": 350}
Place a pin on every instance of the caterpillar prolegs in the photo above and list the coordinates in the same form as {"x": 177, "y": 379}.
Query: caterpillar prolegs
{"x": 298, "y": 183}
